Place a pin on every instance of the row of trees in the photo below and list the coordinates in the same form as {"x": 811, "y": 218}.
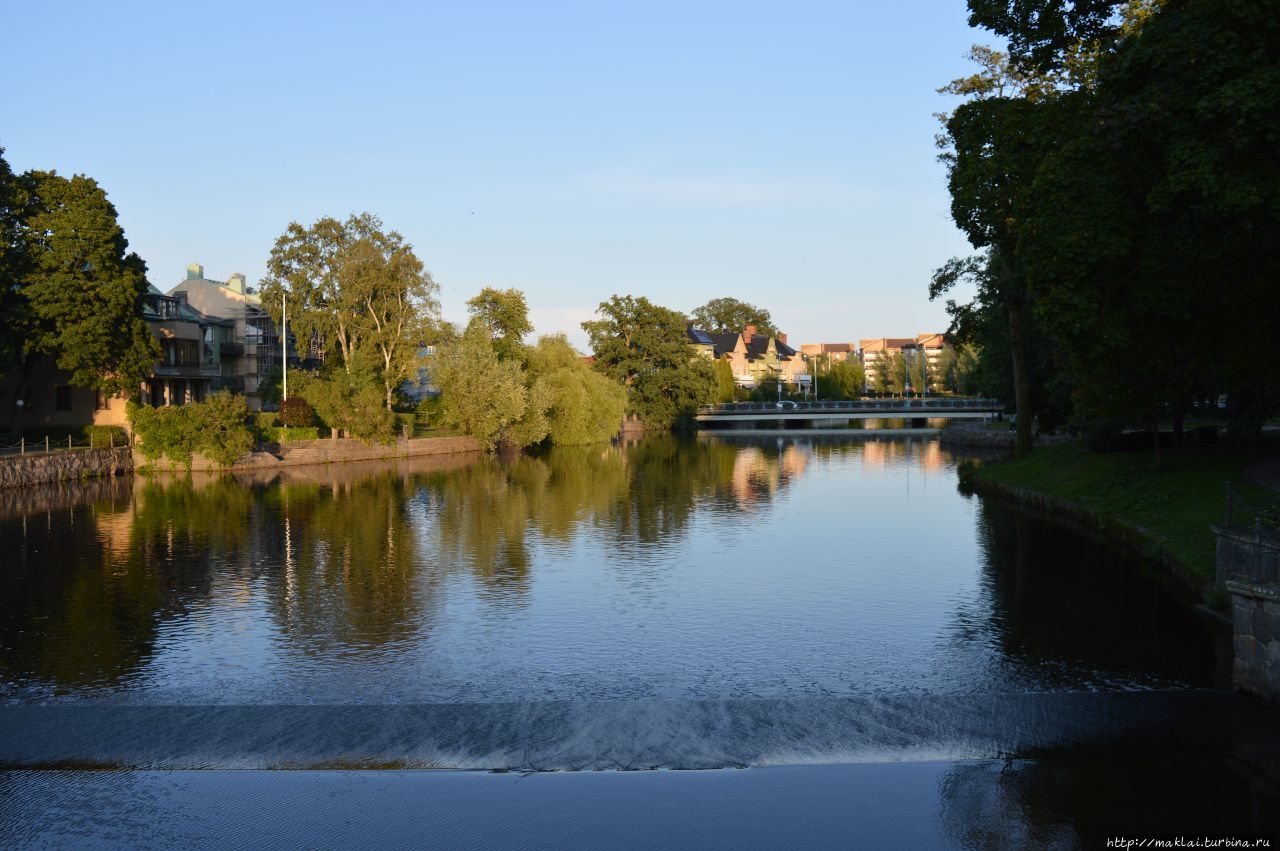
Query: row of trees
{"x": 1117, "y": 171}
{"x": 497, "y": 389}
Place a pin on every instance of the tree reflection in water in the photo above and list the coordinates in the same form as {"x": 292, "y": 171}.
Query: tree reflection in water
{"x": 345, "y": 559}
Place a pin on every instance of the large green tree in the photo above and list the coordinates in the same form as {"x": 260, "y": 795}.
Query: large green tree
{"x": 73, "y": 289}
{"x": 505, "y": 315}
{"x": 730, "y": 315}
{"x": 644, "y": 347}
{"x": 356, "y": 290}
{"x": 993, "y": 146}
{"x": 1150, "y": 240}
{"x": 12, "y": 261}
{"x": 484, "y": 396}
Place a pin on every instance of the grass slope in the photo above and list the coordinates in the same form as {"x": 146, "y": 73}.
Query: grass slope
{"x": 1175, "y": 506}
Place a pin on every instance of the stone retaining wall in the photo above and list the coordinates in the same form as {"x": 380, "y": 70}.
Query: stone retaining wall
{"x": 1255, "y": 615}
{"x": 977, "y": 434}
{"x": 324, "y": 451}
{"x": 35, "y": 468}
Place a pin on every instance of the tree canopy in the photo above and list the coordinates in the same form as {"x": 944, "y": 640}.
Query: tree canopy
{"x": 645, "y": 348}
{"x": 358, "y": 292}
{"x": 730, "y": 315}
{"x": 71, "y": 289}
{"x": 1118, "y": 174}
{"x": 505, "y": 315}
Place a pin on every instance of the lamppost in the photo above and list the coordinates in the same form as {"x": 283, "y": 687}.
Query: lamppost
{"x": 20, "y": 403}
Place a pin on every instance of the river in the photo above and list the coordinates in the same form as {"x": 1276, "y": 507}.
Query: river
{"x": 789, "y": 604}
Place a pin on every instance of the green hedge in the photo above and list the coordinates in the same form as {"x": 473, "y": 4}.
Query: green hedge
{"x": 265, "y": 419}
{"x": 106, "y": 435}
{"x": 216, "y": 427}
{"x": 284, "y": 435}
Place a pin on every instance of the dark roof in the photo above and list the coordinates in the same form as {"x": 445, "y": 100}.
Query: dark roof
{"x": 700, "y": 337}
{"x": 725, "y": 342}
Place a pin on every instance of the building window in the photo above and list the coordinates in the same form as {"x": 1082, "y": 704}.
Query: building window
{"x": 100, "y": 401}
{"x": 62, "y": 398}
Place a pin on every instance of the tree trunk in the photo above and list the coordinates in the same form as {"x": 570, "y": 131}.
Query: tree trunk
{"x": 1179, "y": 422}
{"x": 1155, "y": 438}
{"x": 17, "y": 423}
{"x": 1021, "y": 380}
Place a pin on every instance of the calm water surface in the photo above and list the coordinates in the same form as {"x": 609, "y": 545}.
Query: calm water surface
{"x": 718, "y": 569}
{"x": 804, "y": 604}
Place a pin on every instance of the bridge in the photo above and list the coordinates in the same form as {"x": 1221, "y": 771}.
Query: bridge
{"x": 861, "y": 409}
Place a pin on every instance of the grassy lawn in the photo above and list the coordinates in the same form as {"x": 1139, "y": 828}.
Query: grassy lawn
{"x": 1175, "y": 505}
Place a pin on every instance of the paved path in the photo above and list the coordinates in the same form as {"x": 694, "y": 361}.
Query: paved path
{"x": 1265, "y": 472}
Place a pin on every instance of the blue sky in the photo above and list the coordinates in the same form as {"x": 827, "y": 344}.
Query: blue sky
{"x": 778, "y": 153}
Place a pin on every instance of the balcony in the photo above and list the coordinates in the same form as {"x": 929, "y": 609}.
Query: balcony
{"x": 190, "y": 371}
{"x": 229, "y": 349}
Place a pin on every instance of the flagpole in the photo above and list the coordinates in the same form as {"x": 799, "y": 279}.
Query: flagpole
{"x": 284, "y": 348}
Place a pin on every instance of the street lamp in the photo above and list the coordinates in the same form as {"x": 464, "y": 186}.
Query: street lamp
{"x": 20, "y": 403}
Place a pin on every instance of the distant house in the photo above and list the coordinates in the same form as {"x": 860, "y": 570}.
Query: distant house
{"x": 829, "y": 352}
{"x": 872, "y": 350}
{"x": 752, "y": 356}
{"x": 423, "y": 386}
{"x": 194, "y": 363}
{"x": 197, "y": 356}
{"x": 255, "y": 340}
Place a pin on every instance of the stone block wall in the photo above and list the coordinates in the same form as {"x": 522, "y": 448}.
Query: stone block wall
{"x": 1255, "y": 615}
{"x": 326, "y": 451}
{"x": 36, "y": 468}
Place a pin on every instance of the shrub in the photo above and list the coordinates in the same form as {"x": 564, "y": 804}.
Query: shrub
{"x": 296, "y": 412}
{"x": 106, "y": 435}
{"x": 285, "y": 435}
{"x": 265, "y": 419}
{"x": 431, "y": 412}
{"x": 1103, "y": 436}
{"x": 405, "y": 424}
{"x": 216, "y": 427}
{"x": 350, "y": 402}
{"x": 221, "y": 425}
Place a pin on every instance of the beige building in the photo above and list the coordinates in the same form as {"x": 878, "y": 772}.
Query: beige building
{"x": 752, "y": 356}
{"x": 199, "y": 355}
{"x": 872, "y": 350}
{"x": 256, "y": 341}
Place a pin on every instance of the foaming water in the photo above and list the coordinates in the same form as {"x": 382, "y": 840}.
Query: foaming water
{"x": 718, "y": 602}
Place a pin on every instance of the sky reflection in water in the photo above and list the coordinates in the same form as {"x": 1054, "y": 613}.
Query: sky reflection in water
{"x": 711, "y": 569}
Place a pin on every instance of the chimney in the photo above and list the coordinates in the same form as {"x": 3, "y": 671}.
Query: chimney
{"x": 194, "y": 271}
{"x": 782, "y": 338}
{"x": 749, "y": 332}
{"x": 236, "y": 283}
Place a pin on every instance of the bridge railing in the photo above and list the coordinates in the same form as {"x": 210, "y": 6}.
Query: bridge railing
{"x": 857, "y": 405}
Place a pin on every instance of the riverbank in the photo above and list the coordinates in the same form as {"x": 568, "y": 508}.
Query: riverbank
{"x": 986, "y": 434}
{"x": 1166, "y": 515}
{"x": 49, "y": 468}
{"x": 322, "y": 451}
